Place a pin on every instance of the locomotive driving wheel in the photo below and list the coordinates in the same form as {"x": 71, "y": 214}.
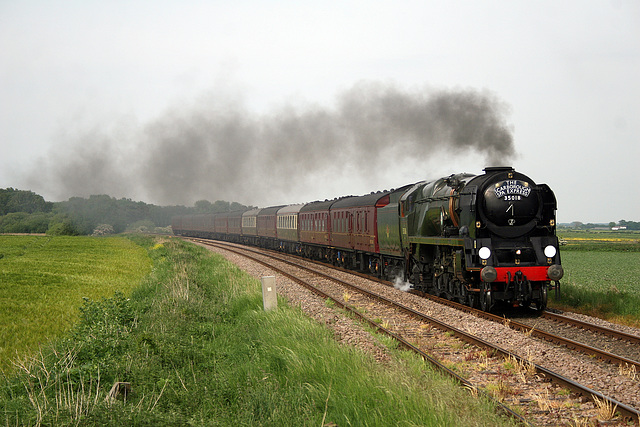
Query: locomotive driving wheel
{"x": 440, "y": 286}
{"x": 464, "y": 294}
{"x": 486, "y": 299}
{"x": 472, "y": 300}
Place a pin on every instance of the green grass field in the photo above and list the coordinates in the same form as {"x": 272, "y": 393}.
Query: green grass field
{"x": 197, "y": 348}
{"x": 44, "y": 279}
{"x": 602, "y": 271}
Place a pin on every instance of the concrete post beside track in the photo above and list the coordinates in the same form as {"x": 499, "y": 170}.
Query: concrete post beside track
{"x": 269, "y": 296}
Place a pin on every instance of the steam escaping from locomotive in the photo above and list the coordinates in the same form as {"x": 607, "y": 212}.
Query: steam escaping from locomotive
{"x": 218, "y": 149}
{"x": 400, "y": 284}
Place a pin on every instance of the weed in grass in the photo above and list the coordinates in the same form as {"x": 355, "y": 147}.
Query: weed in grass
{"x": 59, "y": 391}
{"x": 545, "y": 401}
{"x": 483, "y": 360}
{"x": 529, "y": 332}
{"x": 521, "y": 368}
{"x": 458, "y": 345}
{"x": 606, "y": 410}
{"x": 472, "y": 389}
{"x": 509, "y": 364}
{"x": 499, "y": 389}
{"x": 628, "y": 371}
{"x": 580, "y": 422}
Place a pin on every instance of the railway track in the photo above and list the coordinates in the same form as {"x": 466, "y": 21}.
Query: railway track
{"x": 520, "y": 385}
{"x": 622, "y": 349}
{"x": 634, "y": 339}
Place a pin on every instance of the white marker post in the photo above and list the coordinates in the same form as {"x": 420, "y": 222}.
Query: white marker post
{"x": 269, "y": 297}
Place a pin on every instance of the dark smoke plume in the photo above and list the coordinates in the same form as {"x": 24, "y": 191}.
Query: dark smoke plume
{"x": 219, "y": 150}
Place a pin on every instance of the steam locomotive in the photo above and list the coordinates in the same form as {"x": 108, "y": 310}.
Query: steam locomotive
{"x": 484, "y": 240}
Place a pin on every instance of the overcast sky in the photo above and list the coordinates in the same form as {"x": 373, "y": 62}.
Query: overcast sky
{"x": 169, "y": 102}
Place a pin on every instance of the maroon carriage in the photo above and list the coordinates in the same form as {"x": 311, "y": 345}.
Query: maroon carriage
{"x": 266, "y": 227}
{"x": 314, "y": 225}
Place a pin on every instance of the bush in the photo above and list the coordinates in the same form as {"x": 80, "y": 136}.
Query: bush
{"x": 142, "y": 226}
{"x": 102, "y": 335}
{"x": 62, "y": 226}
{"x": 103, "y": 230}
{"x": 22, "y": 222}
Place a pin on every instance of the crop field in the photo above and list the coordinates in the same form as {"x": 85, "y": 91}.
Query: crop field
{"x": 600, "y": 240}
{"x": 601, "y": 275}
{"x": 44, "y": 279}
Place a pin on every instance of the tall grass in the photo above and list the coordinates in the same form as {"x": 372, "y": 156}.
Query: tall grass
{"x": 197, "y": 349}
{"x": 43, "y": 280}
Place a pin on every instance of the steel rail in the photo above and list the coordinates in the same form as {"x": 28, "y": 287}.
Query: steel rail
{"x": 584, "y": 348}
{"x": 627, "y": 411}
{"x": 634, "y": 339}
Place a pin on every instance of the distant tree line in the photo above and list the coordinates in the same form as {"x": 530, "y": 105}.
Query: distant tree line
{"x": 628, "y": 225}
{"x": 27, "y": 212}
{"x": 12, "y": 200}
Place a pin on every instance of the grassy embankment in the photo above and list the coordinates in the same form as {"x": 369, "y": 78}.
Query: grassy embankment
{"x": 602, "y": 271}
{"x": 44, "y": 279}
{"x": 197, "y": 348}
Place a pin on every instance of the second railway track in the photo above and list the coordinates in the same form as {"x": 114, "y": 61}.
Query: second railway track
{"x": 617, "y": 347}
